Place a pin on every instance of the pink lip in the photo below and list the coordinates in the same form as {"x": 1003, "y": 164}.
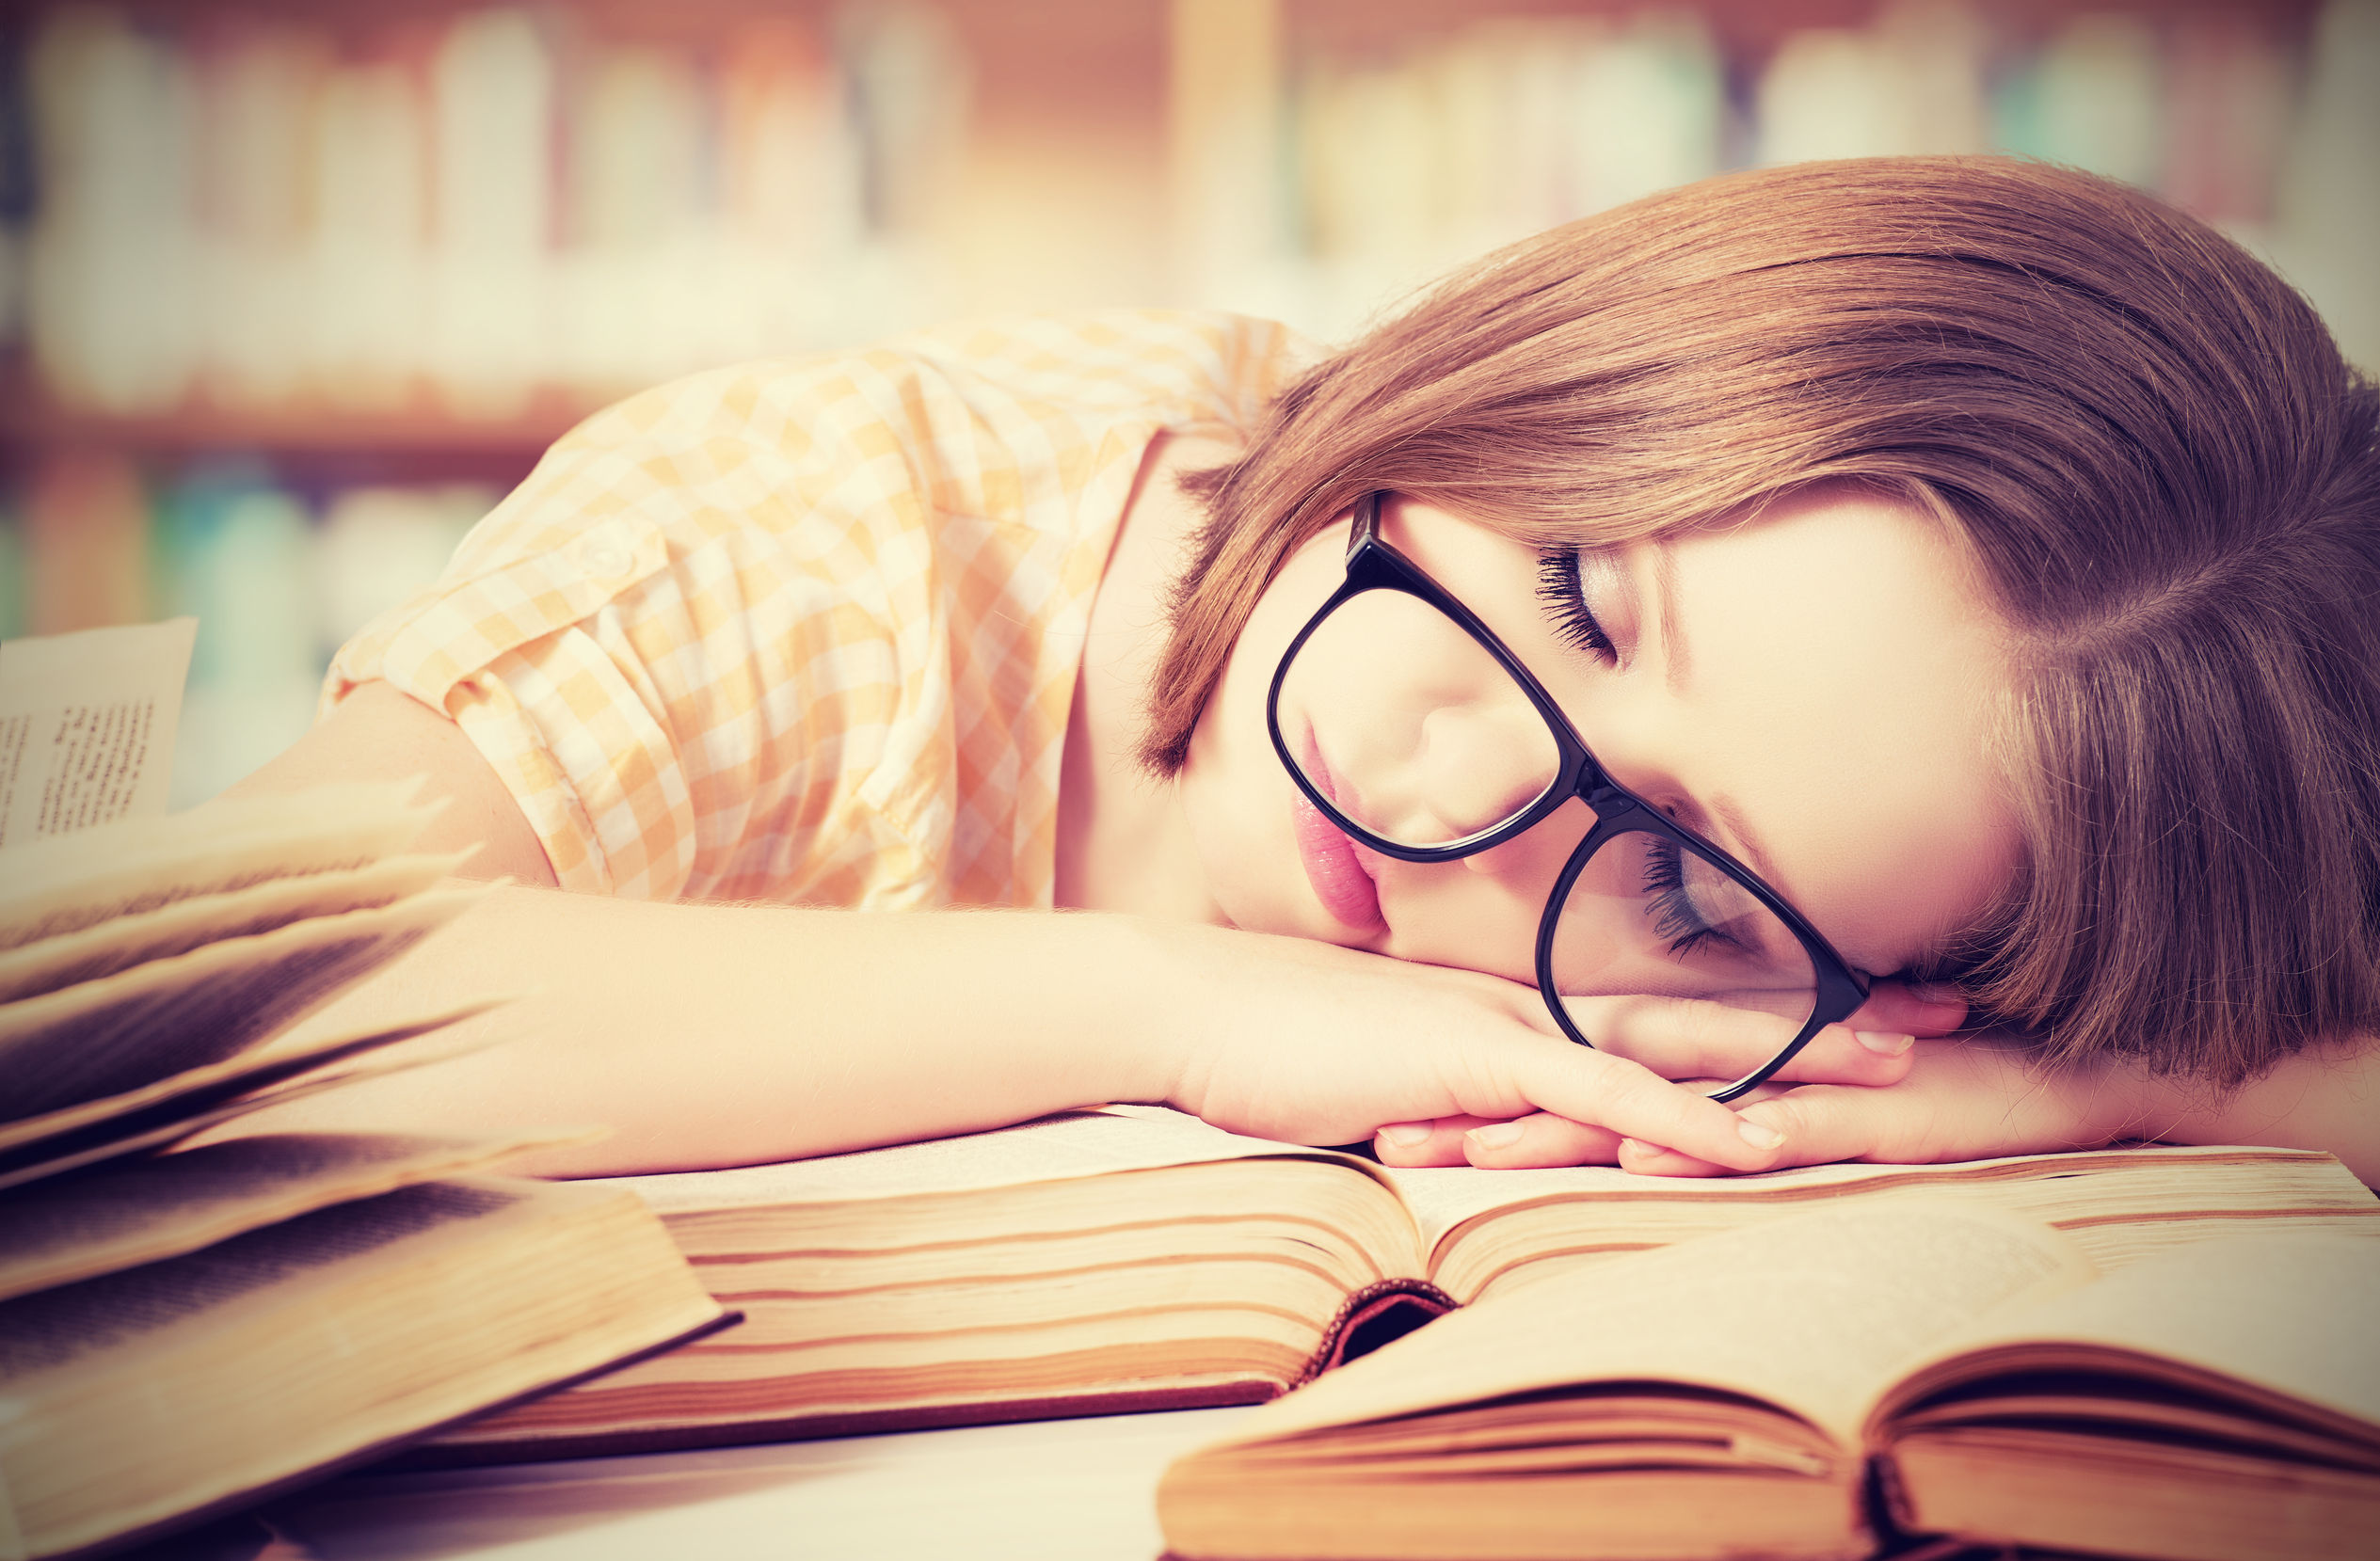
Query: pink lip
{"x": 1340, "y": 878}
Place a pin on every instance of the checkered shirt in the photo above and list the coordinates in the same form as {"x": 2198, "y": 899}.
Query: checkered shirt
{"x": 807, "y": 630}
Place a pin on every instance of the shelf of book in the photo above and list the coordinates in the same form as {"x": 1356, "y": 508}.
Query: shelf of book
{"x": 417, "y": 439}
{"x": 1749, "y": 31}
{"x": 647, "y": 191}
{"x": 963, "y": 158}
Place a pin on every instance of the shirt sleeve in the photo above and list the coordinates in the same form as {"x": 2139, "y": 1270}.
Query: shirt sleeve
{"x": 807, "y": 630}
{"x": 640, "y": 644}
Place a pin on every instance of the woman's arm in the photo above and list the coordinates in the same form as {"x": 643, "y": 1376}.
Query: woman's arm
{"x": 1978, "y": 1098}
{"x": 2327, "y": 1099}
{"x": 709, "y": 1035}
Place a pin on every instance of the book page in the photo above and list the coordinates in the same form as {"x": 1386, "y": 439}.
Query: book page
{"x": 185, "y": 1094}
{"x": 87, "y": 726}
{"x": 1072, "y": 1145}
{"x": 183, "y": 1119}
{"x": 2119, "y": 1202}
{"x": 57, "y": 1327}
{"x": 60, "y": 885}
{"x": 127, "y": 1212}
{"x": 2290, "y": 1314}
{"x": 1444, "y": 1198}
{"x": 122, "y": 942}
{"x": 104, "y": 1037}
{"x": 1815, "y": 1313}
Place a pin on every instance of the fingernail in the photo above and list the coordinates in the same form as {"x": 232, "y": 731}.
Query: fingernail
{"x": 1758, "y": 1135}
{"x": 1884, "y": 1042}
{"x": 1497, "y": 1135}
{"x": 1406, "y": 1134}
{"x": 1639, "y": 1145}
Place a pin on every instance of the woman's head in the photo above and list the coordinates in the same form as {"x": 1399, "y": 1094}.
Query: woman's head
{"x": 2141, "y": 445}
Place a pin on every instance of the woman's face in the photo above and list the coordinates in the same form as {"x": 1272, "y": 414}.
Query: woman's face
{"x": 1809, "y": 690}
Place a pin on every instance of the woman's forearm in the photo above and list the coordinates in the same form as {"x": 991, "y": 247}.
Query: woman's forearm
{"x": 712, "y": 1035}
{"x": 2327, "y": 1099}
{"x": 718, "y": 1035}
{"x": 709, "y": 1035}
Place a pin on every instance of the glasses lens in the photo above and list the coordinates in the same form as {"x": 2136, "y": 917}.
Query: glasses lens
{"x": 1651, "y": 917}
{"x": 1411, "y": 729}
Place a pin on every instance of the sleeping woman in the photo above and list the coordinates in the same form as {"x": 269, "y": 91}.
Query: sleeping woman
{"x": 1874, "y": 660}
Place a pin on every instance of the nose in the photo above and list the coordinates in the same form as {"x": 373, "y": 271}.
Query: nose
{"x": 1482, "y": 763}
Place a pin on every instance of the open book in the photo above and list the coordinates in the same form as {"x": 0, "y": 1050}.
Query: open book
{"x": 1135, "y": 1258}
{"x": 2218, "y": 1401}
{"x": 184, "y": 1329}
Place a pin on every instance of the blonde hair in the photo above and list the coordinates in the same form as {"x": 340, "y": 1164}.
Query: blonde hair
{"x": 2145, "y": 438}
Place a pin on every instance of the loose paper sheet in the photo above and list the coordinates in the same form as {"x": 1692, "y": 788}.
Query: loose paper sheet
{"x": 87, "y": 726}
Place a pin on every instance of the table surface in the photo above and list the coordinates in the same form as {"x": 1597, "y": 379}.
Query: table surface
{"x": 1056, "y": 1491}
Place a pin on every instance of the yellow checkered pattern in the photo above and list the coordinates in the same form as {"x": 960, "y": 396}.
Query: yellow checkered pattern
{"x": 807, "y": 630}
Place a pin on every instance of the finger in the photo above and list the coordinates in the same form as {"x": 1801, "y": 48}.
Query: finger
{"x": 1425, "y": 1143}
{"x": 1540, "y": 1140}
{"x": 1819, "y": 1125}
{"x": 1646, "y": 1159}
{"x": 1683, "y": 1038}
{"x": 1841, "y": 1054}
{"x": 1930, "y": 1008}
{"x": 1595, "y": 1087}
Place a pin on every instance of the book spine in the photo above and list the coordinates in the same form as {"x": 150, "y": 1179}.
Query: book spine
{"x": 1378, "y": 1314}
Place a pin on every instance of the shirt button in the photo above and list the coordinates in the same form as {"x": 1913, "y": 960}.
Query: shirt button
{"x": 603, "y": 561}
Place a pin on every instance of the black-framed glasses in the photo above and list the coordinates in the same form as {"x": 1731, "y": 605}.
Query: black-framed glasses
{"x": 1414, "y": 729}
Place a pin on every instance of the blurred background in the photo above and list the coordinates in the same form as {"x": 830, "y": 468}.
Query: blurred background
{"x": 290, "y": 291}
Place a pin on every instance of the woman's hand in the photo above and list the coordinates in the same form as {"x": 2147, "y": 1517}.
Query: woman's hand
{"x": 1314, "y": 1044}
{"x": 1962, "y": 1100}
{"x": 1969, "y": 1100}
{"x": 1703, "y": 1043}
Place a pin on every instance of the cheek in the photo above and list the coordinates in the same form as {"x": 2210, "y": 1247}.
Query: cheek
{"x": 1232, "y": 790}
{"x": 1234, "y": 798}
{"x": 1482, "y": 919}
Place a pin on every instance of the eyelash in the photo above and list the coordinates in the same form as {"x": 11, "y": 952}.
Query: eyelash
{"x": 1667, "y": 906}
{"x": 1565, "y": 601}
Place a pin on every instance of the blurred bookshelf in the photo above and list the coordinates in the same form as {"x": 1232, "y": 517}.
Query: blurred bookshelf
{"x": 290, "y": 291}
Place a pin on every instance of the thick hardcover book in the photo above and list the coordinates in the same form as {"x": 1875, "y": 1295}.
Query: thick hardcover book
{"x": 1136, "y": 1259}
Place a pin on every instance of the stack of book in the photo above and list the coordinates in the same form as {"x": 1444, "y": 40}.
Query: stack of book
{"x": 183, "y": 1327}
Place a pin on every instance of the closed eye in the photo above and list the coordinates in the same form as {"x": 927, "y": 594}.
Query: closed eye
{"x": 1565, "y": 603}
